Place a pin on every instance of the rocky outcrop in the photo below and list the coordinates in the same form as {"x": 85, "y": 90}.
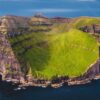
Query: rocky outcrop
{"x": 61, "y": 20}
{"x": 94, "y": 28}
{"x": 16, "y": 25}
{"x": 40, "y": 20}
{"x": 91, "y": 74}
{"x": 13, "y": 23}
{"x": 10, "y": 68}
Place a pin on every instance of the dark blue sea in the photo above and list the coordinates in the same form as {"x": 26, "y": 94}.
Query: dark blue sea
{"x": 83, "y": 92}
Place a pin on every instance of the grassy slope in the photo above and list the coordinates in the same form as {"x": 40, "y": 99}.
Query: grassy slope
{"x": 69, "y": 53}
{"x": 59, "y": 28}
{"x": 82, "y": 21}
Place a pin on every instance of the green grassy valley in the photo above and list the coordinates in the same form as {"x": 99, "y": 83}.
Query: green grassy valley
{"x": 47, "y": 55}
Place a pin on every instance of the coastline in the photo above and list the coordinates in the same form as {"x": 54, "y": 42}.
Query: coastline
{"x": 18, "y": 77}
{"x": 46, "y": 83}
{"x": 93, "y": 73}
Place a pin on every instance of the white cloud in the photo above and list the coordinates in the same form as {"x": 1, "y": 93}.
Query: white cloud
{"x": 51, "y": 10}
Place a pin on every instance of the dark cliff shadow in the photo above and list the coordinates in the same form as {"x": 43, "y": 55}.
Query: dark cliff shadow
{"x": 30, "y": 54}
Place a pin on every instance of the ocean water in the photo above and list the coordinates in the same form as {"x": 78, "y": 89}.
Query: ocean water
{"x": 83, "y": 92}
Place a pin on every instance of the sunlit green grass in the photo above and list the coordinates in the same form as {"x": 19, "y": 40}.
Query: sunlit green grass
{"x": 70, "y": 53}
{"x": 83, "y": 21}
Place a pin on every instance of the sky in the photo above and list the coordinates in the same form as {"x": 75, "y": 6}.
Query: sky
{"x": 50, "y": 8}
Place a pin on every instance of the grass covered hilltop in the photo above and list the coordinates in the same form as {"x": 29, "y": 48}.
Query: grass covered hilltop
{"x": 63, "y": 51}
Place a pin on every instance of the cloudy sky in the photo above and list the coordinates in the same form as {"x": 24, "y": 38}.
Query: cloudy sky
{"x": 65, "y": 8}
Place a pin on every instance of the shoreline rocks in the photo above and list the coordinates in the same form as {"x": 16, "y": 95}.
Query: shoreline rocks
{"x": 58, "y": 82}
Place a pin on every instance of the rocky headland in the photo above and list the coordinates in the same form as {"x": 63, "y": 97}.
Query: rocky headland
{"x": 10, "y": 68}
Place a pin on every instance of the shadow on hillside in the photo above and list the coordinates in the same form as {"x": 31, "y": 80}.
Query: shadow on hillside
{"x": 31, "y": 55}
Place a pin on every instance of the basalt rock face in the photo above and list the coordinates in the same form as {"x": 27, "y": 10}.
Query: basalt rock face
{"x": 10, "y": 68}
{"x": 61, "y": 20}
{"x": 40, "y": 20}
{"x": 91, "y": 29}
{"x": 15, "y": 25}
{"x": 93, "y": 71}
{"x": 12, "y": 23}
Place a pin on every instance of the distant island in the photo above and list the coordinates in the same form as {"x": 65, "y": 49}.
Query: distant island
{"x": 42, "y": 51}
